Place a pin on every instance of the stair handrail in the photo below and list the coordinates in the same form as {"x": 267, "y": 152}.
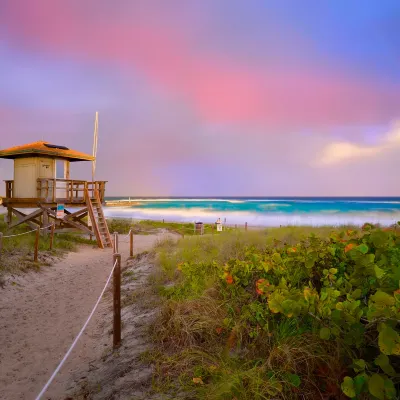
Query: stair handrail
{"x": 97, "y": 197}
{"x": 93, "y": 219}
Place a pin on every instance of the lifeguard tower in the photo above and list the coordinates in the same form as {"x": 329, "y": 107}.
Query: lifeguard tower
{"x": 42, "y": 182}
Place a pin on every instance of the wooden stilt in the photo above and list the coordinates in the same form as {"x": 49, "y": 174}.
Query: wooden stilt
{"x": 52, "y": 236}
{"x": 9, "y": 216}
{"x": 35, "y": 257}
{"x": 45, "y": 222}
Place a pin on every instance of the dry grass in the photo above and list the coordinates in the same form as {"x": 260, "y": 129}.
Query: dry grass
{"x": 189, "y": 324}
{"x": 228, "y": 375}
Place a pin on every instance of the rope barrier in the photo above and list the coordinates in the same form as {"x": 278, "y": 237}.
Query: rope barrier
{"x": 46, "y": 386}
{"x": 24, "y": 233}
{"x": 19, "y": 234}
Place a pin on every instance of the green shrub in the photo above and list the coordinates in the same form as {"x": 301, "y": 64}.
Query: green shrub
{"x": 318, "y": 318}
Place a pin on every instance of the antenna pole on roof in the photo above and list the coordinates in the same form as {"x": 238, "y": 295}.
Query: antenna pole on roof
{"x": 95, "y": 136}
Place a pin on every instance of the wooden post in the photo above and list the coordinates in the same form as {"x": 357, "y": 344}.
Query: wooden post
{"x": 1, "y": 243}
{"x": 245, "y": 226}
{"x": 45, "y": 222}
{"x": 54, "y": 190}
{"x": 117, "y": 301}
{"x": 35, "y": 257}
{"x": 235, "y": 226}
{"x": 52, "y": 236}
{"x": 163, "y": 221}
{"x": 212, "y": 229}
{"x": 9, "y": 216}
{"x": 115, "y": 242}
{"x": 131, "y": 243}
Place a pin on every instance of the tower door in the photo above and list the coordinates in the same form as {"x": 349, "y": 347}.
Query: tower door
{"x": 46, "y": 172}
{"x": 25, "y": 185}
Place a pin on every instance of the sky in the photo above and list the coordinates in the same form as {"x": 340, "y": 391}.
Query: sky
{"x": 209, "y": 98}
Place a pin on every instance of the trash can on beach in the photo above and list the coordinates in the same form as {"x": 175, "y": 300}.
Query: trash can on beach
{"x": 199, "y": 228}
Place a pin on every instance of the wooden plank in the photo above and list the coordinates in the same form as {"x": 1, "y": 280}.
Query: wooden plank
{"x": 52, "y": 236}
{"x": 45, "y": 222}
{"x": 79, "y": 226}
{"x": 76, "y": 213}
{"x": 68, "y": 222}
{"x": 48, "y": 204}
{"x": 71, "y": 193}
{"x": 9, "y": 216}
{"x": 35, "y": 257}
{"x": 34, "y": 200}
{"x": 26, "y": 219}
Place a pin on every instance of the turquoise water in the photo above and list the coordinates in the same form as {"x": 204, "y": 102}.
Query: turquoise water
{"x": 269, "y": 211}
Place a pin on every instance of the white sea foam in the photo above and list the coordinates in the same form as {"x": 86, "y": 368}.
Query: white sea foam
{"x": 250, "y": 200}
{"x": 255, "y": 219}
{"x": 273, "y": 205}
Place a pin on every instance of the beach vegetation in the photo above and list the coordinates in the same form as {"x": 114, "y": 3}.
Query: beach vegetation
{"x": 146, "y": 227}
{"x": 260, "y": 315}
{"x": 17, "y": 251}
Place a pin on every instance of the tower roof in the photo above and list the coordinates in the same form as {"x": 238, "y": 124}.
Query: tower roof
{"x": 44, "y": 149}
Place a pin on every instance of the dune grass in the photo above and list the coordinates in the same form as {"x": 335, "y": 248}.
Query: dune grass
{"x": 145, "y": 227}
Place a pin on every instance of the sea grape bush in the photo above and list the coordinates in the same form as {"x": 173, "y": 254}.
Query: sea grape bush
{"x": 348, "y": 285}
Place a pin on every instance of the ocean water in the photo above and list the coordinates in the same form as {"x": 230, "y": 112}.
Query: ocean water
{"x": 268, "y": 211}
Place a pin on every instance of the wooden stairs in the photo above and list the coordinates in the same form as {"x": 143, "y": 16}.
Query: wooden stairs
{"x": 99, "y": 223}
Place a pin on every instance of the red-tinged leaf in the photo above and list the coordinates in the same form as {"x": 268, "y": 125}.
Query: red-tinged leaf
{"x": 349, "y": 247}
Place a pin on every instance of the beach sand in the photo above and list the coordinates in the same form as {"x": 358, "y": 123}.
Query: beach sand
{"x": 41, "y": 313}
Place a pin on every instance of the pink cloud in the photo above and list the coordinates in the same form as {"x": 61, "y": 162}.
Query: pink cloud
{"x": 217, "y": 86}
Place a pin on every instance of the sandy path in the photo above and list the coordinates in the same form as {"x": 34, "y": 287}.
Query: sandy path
{"x": 43, "y": 312}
